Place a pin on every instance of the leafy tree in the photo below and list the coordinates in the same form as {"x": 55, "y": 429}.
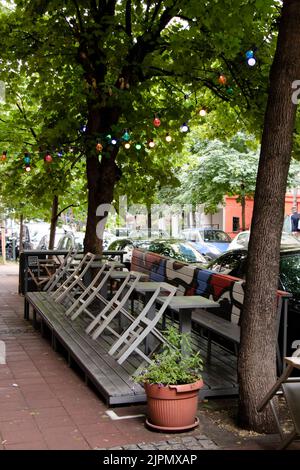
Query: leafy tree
{"x": 216, "y": 169}
{"x": 256, "y": 363}
{"x": 113, "y": 65}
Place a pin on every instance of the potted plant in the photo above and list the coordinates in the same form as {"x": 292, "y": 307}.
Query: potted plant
{"x": 172, "y": 382}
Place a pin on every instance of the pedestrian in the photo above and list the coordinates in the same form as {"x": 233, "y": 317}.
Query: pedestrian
{"x": 295, "y": 221}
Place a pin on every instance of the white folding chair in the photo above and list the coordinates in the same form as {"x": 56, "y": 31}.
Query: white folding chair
{"x": 92, "y": 291}
{"x": 129, "y": 342}
{"x": 61, "y": 272}
{"x": 115, "y": 306}
{"x": 74, "y": 281}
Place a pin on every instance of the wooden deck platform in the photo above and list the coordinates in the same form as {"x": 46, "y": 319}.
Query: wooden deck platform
{"x": 113, "y": 381}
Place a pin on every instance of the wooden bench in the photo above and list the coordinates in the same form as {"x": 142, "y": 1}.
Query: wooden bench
{"x": 191, "y": 280}
{"x": 112, "y": 380}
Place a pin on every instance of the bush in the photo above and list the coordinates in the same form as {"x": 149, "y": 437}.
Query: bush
{"x": 170, "y": 366}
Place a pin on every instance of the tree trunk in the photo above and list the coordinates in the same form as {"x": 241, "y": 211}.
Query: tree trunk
{"x": 243, "y": 204}
{"x": 53, "y": 222}
{"x": 3, "y": 241}
{"x": 149, "y": 221}
{"x": 257, "y": 357}
{"x": 21, "y": 235}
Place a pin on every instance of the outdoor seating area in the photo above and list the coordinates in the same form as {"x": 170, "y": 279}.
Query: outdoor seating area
{"x": 111, "y": 324}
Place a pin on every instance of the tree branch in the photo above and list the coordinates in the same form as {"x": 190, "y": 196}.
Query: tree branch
{"x": 22, "y": 111}
{"x": 65, "y": 208}
{"x": 128, "y": 19}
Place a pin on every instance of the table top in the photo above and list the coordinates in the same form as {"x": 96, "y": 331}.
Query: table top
{"x": 189, "y": 302}
{"x": 148, "y": 286}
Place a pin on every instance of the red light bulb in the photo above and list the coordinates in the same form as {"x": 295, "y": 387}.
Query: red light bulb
{"x": 156, "y": 122}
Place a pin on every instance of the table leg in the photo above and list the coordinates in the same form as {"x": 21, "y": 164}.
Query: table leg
{"x": 185, "y": 324}
{"x": 149, "y": 340}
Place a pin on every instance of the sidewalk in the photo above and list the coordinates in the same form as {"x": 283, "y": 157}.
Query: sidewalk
{"x": 46, "y": 405}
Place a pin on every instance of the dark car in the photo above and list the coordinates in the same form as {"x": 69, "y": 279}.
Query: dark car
{"x": 235, "y": 262}
{"x": 173, "y": 248}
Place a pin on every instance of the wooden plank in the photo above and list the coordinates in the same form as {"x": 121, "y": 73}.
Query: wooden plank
{"x": 71, "y": 336}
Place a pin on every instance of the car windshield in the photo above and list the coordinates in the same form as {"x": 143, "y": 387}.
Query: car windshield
{"x": 215, "y": 236}
{"x": 177, "y": 250}
{"x": 290, "y": 272}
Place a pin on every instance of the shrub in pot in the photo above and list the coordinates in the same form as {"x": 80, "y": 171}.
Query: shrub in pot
{"x": 172, "y": 382}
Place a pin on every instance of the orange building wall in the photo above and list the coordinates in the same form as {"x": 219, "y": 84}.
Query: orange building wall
{"x": 233, "y": 209}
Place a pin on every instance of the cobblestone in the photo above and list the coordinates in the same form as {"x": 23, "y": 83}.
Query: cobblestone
{"x": 199, "y": 442}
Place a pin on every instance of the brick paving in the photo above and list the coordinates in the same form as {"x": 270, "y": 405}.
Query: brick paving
{"x": 45, "y": 405}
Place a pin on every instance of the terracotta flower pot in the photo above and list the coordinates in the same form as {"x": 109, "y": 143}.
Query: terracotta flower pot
{"x": 172, "y": 407}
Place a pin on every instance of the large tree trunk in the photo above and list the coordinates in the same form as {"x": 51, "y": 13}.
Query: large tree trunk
{"x": 257, "y": 357}
{"x": 54, "y": 218}
{"x": 102, "y": 174}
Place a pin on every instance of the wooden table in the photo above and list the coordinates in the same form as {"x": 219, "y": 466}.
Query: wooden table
{"x": 184, "y": 306}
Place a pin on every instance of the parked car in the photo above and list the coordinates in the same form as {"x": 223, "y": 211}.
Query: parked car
{"x": 71, "y": 240}
{"x": 234, "y": 262}
{"x": 208, "y": 241}
{"x": 241, "y": 240}
{"x": 44, "y": 241}
{"x": 144, "y": 234}
{"x": 173, "y": 248}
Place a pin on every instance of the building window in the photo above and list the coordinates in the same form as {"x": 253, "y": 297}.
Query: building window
{"x": 235, "y": 224}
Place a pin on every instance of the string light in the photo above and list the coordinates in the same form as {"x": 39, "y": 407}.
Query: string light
{"x": 156, "y": 122}
{"x": 250, "y": 58}
{"x": 114, "y": 141}
{"x": 48, "y": 158}
{"x": 202, "y": 112}
{"x": 138, "y": 146}
{"x": 4, "y": 155}
{"x": 168, "y": 138}
{"x": 27, "y": 168}
{"x": 151, "y": 143}
{"x": 251, "y": 61}
{"x": 222, "y": 79}
{"x": 99, "y": 147}
{"x": 126, "y": 135}
{"x": 127, "y": 145}
{"x": 184, "y": 127}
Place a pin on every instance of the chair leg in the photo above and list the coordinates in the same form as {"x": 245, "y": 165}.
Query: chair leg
{"x": 287, "y": 440}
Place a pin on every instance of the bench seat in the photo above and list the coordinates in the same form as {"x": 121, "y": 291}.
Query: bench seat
{"x": 112, "y": 380}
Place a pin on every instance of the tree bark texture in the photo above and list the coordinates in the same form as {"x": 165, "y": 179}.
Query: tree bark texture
{"x": 257, "y": 356}
{"x": 54, "y": 217}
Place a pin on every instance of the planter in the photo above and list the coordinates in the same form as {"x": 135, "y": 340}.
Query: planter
{"x": 172, "y": 407}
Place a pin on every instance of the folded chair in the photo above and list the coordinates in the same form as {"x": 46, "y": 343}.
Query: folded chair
{"x": 61, "y": 272}
{"x": 139, "y": 328}
{"x": 91, "y": 292}
{"x": 142, "y": 326}
{"x": 115, "y": 306}
{"x": 289, "y": 387}
{"x": 75, "y": 281}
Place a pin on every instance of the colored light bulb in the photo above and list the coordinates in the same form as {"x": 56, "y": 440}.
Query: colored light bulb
{"x": 126, "y": 136}
{"x": 184, "y": 127}
{"x": 156, "y": 122}
{"x": 48, "y": 158}
{"x": 168, "y": 138}
{"x": 127, "y": 145}
{"x": 251, "y": 61}
{"x": 203, "y": 112}
{"x": 138, "y": 146}
{"x": 249, "y": 54}
{"x": 151, "y": 143}
{"x": 222, "y": 79}
{"x": 27, "y": 168}
{"x": 99, "y": 147}
{"x": 113, "y": 141}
